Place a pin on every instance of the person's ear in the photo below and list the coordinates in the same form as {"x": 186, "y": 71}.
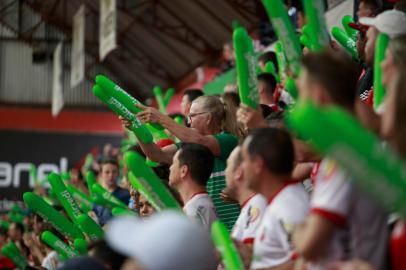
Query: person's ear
{"x": 239, "y": 174}
{"x": 183, "y": 171}
{"x": 209, "y": 119}
{"x": 259, "y": 165}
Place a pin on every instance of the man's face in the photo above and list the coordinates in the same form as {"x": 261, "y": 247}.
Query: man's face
{"x": 146, "y": 208}
{"x": 109, "y": 174}
{"x": 174, "y": 171}
{"x": 372, "y": 33}
{"x": 388, "y": 68}
{"x": 361, "y": 45}
{"x": 250, "y": 167}
{"x": 230, "y": 172}
{"x": 185, "y": 105}
{"x": 14, "y": 233}
{"x": 364, "y": 10}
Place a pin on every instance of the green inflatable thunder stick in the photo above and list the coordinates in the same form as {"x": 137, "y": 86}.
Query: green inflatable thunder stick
{"x": 317, "y": 33}
{"x": 372, "y": 166}
{"x": 345, "y": 41}
{"x": 285, "y": 33}
{"x": 225, "y": 246}
{"x": 48, "y": 213}
{"x": 246, "y": 67}
{"x": 345, "y": 21}
{"x": 139, "y": 129}
{"x": 58, "y": 245}
{"x": 13, "y": 253}
{"x": 90, "y": 227}
{"x": 382, "y": 42}
{"x": 148, "y": 183}
{"x": 81, "y": 246}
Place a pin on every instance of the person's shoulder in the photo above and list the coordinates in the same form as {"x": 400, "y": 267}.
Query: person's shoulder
{"x": 258, "y": 201}
{"x": 292, "y": 203}
{"x": 226, "y": 136}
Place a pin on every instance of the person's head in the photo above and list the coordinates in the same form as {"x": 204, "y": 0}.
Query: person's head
{"x": 101, "y": 251}
{"x": 328, "y": 78}
{"x": 391, "y": 22}
{"x": 228, "y": 51}
{"x": 145, "y": 208}
{"x": 3, "y": 237}
{"x": 234, "y": 173}
{"x": 231, "y": 98}
{"x": 267, "y": 152}
{"x": 367, "y": 8}
{"x": 266, "y": 88}
{"x": 266, "y": 57}
{"x": 360, "y": 44}
{"x": 188, "y": 96}
{"x": 16, "y": 231}
{"x": 109, "y": 173}
{"x": 192, "y": 164}
{"x": 210, "y": 115}
{"x": 395, "y": 59}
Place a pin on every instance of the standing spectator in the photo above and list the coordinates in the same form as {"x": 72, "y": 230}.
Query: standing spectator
{"x": 188, "y": 96}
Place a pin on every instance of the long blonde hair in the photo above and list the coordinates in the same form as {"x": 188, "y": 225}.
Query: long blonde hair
{"x": 224, "y": 116}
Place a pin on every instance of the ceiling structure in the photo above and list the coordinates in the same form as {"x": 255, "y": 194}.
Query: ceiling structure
{"x": 159, "y": 41}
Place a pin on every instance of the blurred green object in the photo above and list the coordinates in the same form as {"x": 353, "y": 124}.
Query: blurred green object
{"x": 90, "y": 227}
{"x": 345, "y": 21}
{"x": 80, "y": 246}
{"x": 345, "y": 41}
{"x": 58, "y": 245}
{"x": 123, "y": 212}
{"x": 229, "y": 255}
{"x": 168, "y": 95}
{"x": 317, "y": 34}
{"x": 291, "y": 88}
{"x": 217, "y": 85}
{"x": 371, "y": 165}
{"x": 13, "y": 253}
{"x": 382, "y": 42}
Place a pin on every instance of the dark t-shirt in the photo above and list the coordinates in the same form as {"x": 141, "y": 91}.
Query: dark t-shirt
{"x": 365, "y": 83}
{"x": 104, "y": 214}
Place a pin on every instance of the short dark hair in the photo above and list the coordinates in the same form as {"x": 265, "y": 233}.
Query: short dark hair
{"x": 20, "y": 227}
{"x": 336, "y": 72}
{"x": 199, "y": 160}
{"x": 269, "y": 57}
{"x": 193, "y": 93}
{"x": 109, "y": 161}
{"x": 269, "y": 81}
{"x": 105, "y": 254}
{"x": 372, "y": 4}
{"x": 275, "y": 147}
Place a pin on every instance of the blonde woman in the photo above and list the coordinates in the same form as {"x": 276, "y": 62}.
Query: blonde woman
{"x": 213, "y": 125}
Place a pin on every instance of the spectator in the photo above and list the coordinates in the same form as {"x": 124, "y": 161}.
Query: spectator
{"x": 330, "y": 79}
{"x": 252, "y": 204}
{"x": 108, "y": 179}
{"x": 145, "y": 208}
{"x": 188, "y": 97}
{"x": 100, "y": 251}
{"x": 269, "y": 173}
{"x": 266, "y": 90}
{"x": 190, "y": 170}
{"x": 368, "y": 8}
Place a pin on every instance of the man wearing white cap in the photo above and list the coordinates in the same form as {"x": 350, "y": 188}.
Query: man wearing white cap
{"x": 165, "y": 241}
{"x": 190, "y": 170}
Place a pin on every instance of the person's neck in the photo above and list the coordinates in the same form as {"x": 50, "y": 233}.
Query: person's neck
{"x": 266, "y": 100}
{"x": 245, "y": 195}
{"x": 110, "y": 188}
{"x": 188, "y": 190}
{"x": 273, "y": 184}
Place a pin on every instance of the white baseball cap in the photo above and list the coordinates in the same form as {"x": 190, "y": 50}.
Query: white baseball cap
{"x": 390, "y": 22}
{"x": 165, "y": 241}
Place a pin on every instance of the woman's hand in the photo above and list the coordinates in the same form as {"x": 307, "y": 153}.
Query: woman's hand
{"x": 149, "y": 114}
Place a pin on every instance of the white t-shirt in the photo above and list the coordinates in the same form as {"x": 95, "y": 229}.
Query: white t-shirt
{"x": 249, "y": 219}
{"x": 361, "y": 225}
{"x": 272, "y": 245}
{"x": 200, "y": 208}
{"x": 50, "y": 262}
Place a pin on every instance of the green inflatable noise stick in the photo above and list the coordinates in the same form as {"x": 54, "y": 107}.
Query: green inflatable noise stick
{"x": 4, "y": 224}
{"x": 345, "y": 41}
{"x": 48, "y": 213}
{"x": 270, "y": 68}
{"x": 168, "y": 95}
{"x": 81, "y": 246}
{"x": 285, "y": 33}
{"x": 81, "y": 198}
{"x": 225, "y": 246}
{"x": 16, "y": 217}
{"x": 281, "y": 60}
{"x": 113, "y": 90}
{"x": 13, "y": 253}
{"x": 159, "y": 99}
{"x": 290, "y": 87}
{"x": 63, "y": 196}
{"x": 90, "y": 180}
{"x": 246, "y": 68}
{"x": 139, "y": 129}
{"x": 58, "y": 245}
{"x": 382, "y": 42}
{"x": 148, "y": 183}
{"x": 318, "y": 33}
{"x": 345, "y": 21}
{"x": 90, "y": 227}
{"x": 99, "y": 200}
{"x": 117, "y": 211}
{"x": 33, "y": 174}
{"x": 304, "y": 40}
{"x": 102, "y": 192}
{"x": 373, "y": 167}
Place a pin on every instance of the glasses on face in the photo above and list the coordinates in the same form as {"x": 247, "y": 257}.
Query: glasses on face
{"x": 191, "y": 115}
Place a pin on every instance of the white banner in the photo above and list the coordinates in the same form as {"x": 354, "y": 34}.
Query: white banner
{"x": 57, "y": 91}
{"x": 107, "y": 31}
{"x": 77, "y": 73}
